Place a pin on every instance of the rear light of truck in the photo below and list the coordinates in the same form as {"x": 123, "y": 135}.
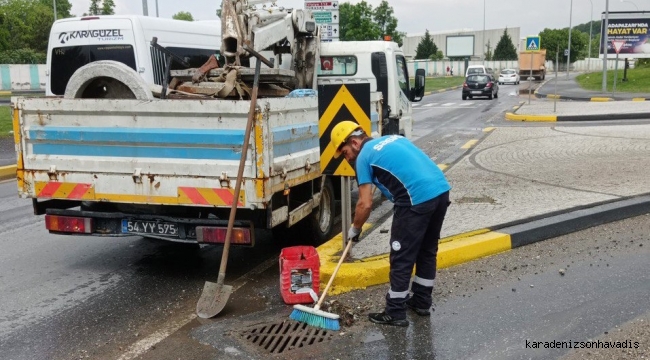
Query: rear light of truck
{"x": 69, "y": 224}
{"x": 217, "y": 235}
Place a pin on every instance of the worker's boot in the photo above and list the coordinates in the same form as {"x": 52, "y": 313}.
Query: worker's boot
{"x": 385, "y": 319}
{"x": 420, "y": 311}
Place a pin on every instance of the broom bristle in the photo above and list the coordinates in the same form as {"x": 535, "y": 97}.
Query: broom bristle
{"x": 314, "y": 317}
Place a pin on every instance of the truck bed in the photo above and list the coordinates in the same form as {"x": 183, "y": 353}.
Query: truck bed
{"x": 169, "y": 152}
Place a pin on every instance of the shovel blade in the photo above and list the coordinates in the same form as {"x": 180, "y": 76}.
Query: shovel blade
{"x": 213, "y": 299}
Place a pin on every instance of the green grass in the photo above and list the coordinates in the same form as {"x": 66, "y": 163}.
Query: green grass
{"x": 638, "y": 81}
{"x": 5, "y": 121}
{"x": 441, "y": 82}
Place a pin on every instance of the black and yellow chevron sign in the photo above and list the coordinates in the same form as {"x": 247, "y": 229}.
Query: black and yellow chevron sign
{"x": 338, "y": 103}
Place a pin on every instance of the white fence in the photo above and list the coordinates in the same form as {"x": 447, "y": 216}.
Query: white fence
{"x": 22, "y": 77}
{"x": 439, "y": 68}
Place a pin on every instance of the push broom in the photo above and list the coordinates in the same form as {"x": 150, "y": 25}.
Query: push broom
{"x": 314, "y": 316}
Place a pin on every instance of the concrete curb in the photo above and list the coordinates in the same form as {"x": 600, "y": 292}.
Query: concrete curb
{"x": 7, "y": 172}
{"x": 592, "y": 117}
{"x": 580, "y": 98}
{"x": 466, "y": 247}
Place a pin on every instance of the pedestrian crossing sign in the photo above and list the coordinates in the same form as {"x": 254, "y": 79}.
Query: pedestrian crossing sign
{"x": 532, "y": 43}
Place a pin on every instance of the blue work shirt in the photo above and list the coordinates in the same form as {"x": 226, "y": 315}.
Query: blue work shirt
{"x": 401, "y": 171}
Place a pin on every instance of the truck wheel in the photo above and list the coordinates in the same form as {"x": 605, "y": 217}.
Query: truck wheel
{"x": 322, "y": 218}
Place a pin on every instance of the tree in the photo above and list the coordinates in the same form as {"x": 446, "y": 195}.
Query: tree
{"x": 387, "y": 22}
{"x": 488, "y": 51}
{"x": 595, "y": 27}
{"x": 108, "y": 7}
{"x": 63, "y": 8}
{"x": 426, "y": 48}
{"x": 25, "y": 25}
{"x": 437, "y": 56}
{"x": 557, "y": 40}
{"x": 22, "y": 56}
{"x": 94, "y": 7}
{"x": 356, "y": 22}
{"x": 361, "y": 22}
{"x": 505, "y": 49}
{"x": 183, "y": 15}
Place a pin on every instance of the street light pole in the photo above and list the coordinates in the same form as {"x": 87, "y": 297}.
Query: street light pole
{"x": 145, "y": 9}
{"x": 568, "y": 59}
{"x": 604, "y": 40}
{"x": 591, "y": 25}
{"x": 54, "y": 7}
{"x": 483, "y": 31}
{"x": 157, "y": 15}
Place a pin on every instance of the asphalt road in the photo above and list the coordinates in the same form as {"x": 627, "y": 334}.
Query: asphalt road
{"x": 580, "y": 289}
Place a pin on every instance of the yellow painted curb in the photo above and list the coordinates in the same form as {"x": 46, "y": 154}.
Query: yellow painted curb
{"x": 553, "y": 96}
{"x": 470, "y": 248}
{"x": 469, "y": 144}
{"x": 351, "y": 276}
{"x": 601, "y": 99}
{"x": 374, "y": 271}
{"x": 517, "y": 117}
{"x": 638, "y": 99}
{"x": 5, "y": 93}
{"x": 7, "y": 172}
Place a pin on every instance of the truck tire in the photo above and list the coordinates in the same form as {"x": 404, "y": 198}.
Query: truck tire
{"x": 322, "y": 218}
{"x": 107, "y": 79}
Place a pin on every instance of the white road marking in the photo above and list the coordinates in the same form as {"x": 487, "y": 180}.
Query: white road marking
{"x": 448, "y": 104}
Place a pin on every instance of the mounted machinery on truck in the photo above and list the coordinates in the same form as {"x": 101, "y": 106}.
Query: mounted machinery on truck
{"x": 120, "y": 156}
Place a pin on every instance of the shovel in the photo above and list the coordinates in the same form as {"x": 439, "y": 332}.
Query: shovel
{"x": 215, "y": 295}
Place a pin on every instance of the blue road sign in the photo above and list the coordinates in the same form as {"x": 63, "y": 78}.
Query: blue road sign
{"x": 533, "y": 43}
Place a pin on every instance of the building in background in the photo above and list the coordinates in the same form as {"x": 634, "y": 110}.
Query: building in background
{"x": 492, "y": 36}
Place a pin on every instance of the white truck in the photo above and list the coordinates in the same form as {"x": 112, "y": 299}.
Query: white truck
{"x": 75, "y": 42}
{"x": 101, "y": 164}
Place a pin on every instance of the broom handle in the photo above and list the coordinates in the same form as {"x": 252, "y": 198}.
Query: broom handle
{"x": 329, "y": 283}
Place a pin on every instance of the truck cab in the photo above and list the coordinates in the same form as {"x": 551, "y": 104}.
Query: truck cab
{"x": 381, "y": 64}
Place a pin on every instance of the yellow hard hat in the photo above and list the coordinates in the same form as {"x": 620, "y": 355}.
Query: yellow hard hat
{"x": 342, "y": 132}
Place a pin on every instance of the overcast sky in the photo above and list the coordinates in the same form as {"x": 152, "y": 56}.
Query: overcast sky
{"x": 415, "y": 16}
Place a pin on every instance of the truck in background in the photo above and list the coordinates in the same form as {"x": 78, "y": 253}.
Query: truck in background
{"x": 166, "y": 168}
{"x": 535, "y": 61}
{"x": 75, "y": 42}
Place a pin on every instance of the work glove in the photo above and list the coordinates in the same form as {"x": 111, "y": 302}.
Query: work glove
{"x": 353, "y": 234}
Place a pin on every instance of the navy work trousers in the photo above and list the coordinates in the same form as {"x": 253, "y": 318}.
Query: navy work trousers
{"x": 414, "y": 241}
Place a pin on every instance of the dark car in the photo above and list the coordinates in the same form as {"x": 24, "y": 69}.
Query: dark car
{"x": 480, "y": 85}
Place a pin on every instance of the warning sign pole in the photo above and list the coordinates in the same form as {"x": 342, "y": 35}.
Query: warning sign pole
{"x": 615, "y": 74}
{"x": 618, "y": 45}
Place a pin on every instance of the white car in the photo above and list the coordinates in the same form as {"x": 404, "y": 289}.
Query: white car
{"x": 508, "y": 76}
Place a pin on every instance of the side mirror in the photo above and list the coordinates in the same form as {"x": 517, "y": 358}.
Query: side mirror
{"x": 417, "y": 93}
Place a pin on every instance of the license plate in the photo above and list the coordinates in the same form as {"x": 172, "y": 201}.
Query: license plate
{"x": 477, "y": 92}
{"x": 149, "y": 227}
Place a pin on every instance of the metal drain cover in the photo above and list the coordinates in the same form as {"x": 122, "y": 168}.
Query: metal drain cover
{"x": 283, "y": 336}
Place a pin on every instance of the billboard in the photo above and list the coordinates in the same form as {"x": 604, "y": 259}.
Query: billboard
{"x": 630, "y": 30}
{"x": 460, "y": 46}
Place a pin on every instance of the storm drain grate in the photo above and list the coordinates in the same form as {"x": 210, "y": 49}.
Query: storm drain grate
{"x": 283, "y": 336}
